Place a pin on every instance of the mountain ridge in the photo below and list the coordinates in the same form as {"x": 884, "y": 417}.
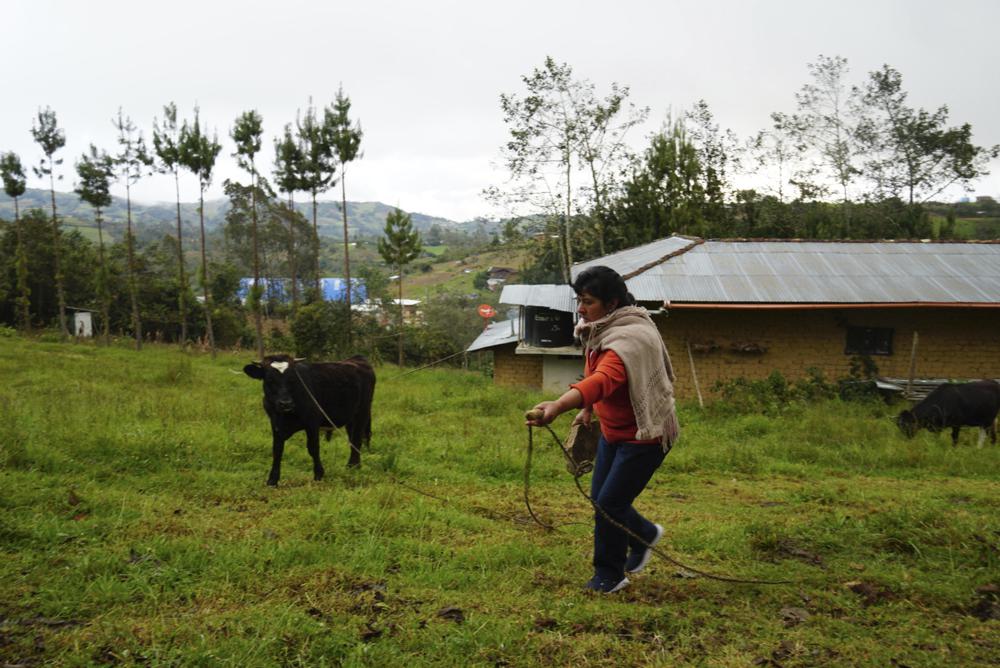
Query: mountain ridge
{"x": 363, "y": 218}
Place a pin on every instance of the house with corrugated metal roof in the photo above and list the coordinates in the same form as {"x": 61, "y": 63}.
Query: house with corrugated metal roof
{"x": 744, "y": 308}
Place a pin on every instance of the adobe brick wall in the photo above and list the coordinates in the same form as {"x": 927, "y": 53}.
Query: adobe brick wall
{"x": 953, "y": 343}
{"x": 514, "y": 370}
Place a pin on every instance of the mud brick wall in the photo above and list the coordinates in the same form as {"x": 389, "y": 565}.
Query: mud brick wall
{"x": 953, "y": 343}
{"x": 514, "y": 370}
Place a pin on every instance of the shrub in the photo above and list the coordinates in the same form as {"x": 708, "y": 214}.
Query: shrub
{"x": 229, "y": 326}
{"x": 774, "y": 394}
{"x": 319, "y": 330}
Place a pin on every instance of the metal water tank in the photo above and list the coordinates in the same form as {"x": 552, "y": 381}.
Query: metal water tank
{"x": 547, "y": 328}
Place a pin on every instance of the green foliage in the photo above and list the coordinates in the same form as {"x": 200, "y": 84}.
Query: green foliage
{"x": 773, "y": 395}
{"x": 12, "y": 174}
{"x": 96, "y": 171}
{"x": 229, "y": 325}
{"x": 479, "y": 280}
{"x": 49, "y": 137}
{"x": 318, "y": 330}
{"x": 197, "y": 152}
{"x": 400, "y": 243}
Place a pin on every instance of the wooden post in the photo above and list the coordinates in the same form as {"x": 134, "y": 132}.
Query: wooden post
{"x": 913, "y": 366}
{"x": 694, "y": 375}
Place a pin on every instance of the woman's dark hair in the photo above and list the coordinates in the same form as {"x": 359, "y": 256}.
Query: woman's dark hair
{"x": 605, "y": 284}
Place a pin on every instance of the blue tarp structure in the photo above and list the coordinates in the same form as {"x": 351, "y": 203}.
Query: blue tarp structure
{"x": 280, "y": 289}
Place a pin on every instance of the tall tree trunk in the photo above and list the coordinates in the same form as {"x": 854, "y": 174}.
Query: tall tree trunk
{"x": 181, "y": 280}
{"x": 257, "y": 321}
{"x": 347, "y": 253}
{"x": 105, "y": 297}
{"x": 206, "y": 293}
{"x": 319, "y": 292}
{"x": 21, "y": 271}
{"x": 60, "y": 295}
{"x": 400, "y": 341}
{"x": 569, "y": 225}
{"x": 136, "y": 323}
{"x": 598, "y": 210}
{"x": 292, "y": 264}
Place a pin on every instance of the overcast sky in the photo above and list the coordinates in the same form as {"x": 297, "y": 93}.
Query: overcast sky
{"x": 425, "y": 77}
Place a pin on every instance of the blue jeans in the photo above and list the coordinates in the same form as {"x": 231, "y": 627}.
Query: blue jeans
{"x": 621, "y": 472}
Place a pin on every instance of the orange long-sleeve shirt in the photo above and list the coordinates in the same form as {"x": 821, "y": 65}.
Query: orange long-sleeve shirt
{"x": 605, "y": 389}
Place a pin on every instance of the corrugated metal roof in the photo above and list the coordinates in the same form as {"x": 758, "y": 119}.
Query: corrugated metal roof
{"x": 496, "y": 334}
{"x": 792, "y": 272}
{"x": 817, "y": 272}
{"x": 557, "y": 297}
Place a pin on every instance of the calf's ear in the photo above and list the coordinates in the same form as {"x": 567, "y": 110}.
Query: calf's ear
{"x": 254, "y": 370}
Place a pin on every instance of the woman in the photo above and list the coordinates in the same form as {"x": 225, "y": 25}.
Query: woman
{"x": 628, "y": 384}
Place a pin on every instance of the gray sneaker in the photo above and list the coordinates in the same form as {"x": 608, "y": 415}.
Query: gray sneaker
{"x": 605, "y": 586}
{"x": 639, "y": 558}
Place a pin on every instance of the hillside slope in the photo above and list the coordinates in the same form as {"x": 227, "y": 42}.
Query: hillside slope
{"x": 364, "y": 218}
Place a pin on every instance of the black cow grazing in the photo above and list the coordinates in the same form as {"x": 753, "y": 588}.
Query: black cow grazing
{"x": 956, "y": 405}
{"x": 309, "y": 396}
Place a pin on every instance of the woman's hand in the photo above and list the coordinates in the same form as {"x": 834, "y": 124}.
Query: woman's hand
{"x": 547, "y": 411}
{"x": 543, "y": 414}
{"x": 583, "y": 417}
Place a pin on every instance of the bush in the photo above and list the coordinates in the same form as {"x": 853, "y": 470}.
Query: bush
{"x": 319, "y": 330}
{"x": 229, "y": 326}
{"x": 774, "y": 394}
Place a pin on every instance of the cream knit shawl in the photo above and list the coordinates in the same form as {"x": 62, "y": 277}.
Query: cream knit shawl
{"x": 631, "y": 333}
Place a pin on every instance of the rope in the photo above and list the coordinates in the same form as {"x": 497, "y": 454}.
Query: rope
{"x": 426, "y": 366}
{"x": 657, "y": 551}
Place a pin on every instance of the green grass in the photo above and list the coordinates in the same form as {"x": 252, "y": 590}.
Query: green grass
{"x": 135, "y": 528}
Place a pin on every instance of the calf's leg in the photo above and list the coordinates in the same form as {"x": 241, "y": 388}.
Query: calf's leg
{"x": 355, "y": 437}
{"x": 954, "y": 435}
{"x": 312, "y": 444}
{"x": 277, "y": 449}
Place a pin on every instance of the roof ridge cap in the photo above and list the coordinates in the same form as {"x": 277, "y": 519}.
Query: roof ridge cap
{"x": 695, "y": 241}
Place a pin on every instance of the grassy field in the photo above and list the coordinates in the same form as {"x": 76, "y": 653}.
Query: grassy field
{"x": 136, "y": 529}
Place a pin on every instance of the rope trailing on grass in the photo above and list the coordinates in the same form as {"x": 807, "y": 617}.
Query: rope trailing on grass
{"x": 657, "y": 551}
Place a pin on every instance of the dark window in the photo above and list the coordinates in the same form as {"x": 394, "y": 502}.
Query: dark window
{"x": 868, "y": 341}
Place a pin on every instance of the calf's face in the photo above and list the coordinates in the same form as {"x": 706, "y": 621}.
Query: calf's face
{"x": 275, "y": 376}
{"x": 907, "y": 423}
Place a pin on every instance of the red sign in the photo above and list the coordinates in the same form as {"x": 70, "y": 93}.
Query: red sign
{"x": 487, "y": 311}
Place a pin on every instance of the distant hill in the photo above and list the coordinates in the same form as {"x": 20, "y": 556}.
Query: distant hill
{"x": 364, "y": 218}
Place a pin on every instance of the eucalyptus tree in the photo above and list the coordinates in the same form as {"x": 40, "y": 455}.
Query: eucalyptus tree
{"x": 318, "y": 170}
{"x": 913, "y": 154}
{"x": 345, "y": 138}
{"x": 131, "y": 161}
{"x": 829, "y": 115}
{"x": 602, "y": 149}
{"x": 14, "y": 185}
{"x": 557, "y": 127}
{"x": 246, "y": 133}
{"x": 166, "y": 144}
{"x": 50, "y": 138}
{"x": 288, "y": 159}
{"x": 198, "y": 153}
{"x": 400, "y": 246}
{"x": 719, "y": 154}
{"x": 96, "y": 171}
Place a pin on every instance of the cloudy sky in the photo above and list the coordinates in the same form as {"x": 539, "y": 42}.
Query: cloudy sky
{"x": 425, "y": 77}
